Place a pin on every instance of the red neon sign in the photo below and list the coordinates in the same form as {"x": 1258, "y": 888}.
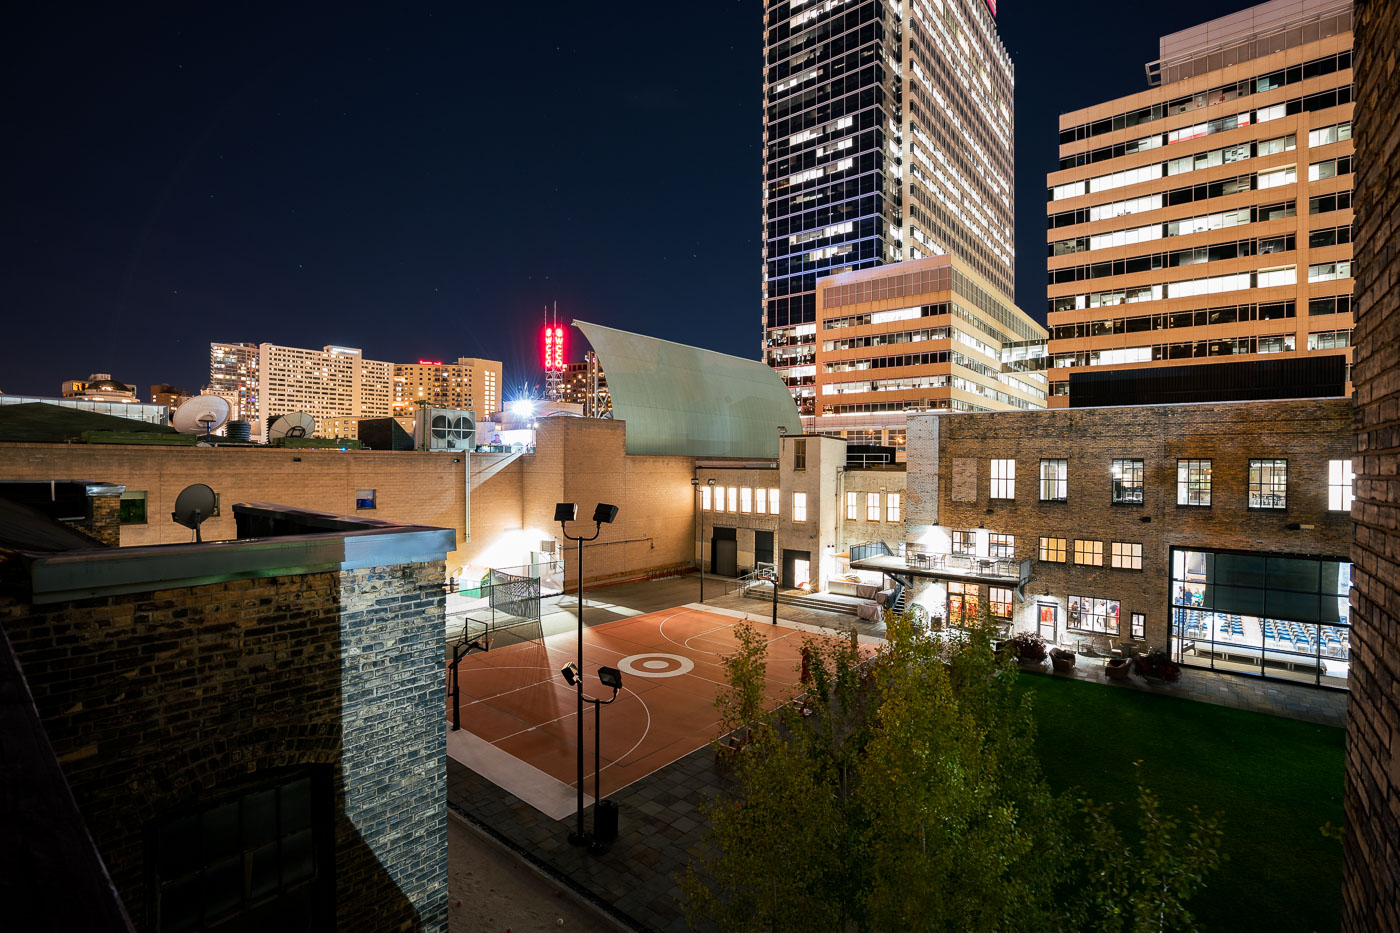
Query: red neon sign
{"x": 554, "y": 349}
{"x": 430, "y": 362}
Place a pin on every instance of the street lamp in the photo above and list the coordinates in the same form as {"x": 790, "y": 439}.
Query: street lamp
{"x": 603, "y": 514}
{"x": 695, "y": 481}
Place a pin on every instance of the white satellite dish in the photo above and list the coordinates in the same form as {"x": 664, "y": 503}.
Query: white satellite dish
{"x": 201, "y": 415}
{"x": 296, "y": 424}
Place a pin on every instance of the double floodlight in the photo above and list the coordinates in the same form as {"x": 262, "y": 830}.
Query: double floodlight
{"x": 604, "y": 514}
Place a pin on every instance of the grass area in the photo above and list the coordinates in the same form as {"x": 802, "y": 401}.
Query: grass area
{"x": 1275, "y": 780}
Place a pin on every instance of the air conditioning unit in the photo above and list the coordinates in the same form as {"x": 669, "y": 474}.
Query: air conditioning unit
{"x": 444, "y": 429}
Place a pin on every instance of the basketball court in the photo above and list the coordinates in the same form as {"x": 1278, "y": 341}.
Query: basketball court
{"x": 519, "y": 717}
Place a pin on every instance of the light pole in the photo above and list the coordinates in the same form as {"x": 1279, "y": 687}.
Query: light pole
{"x": 604, "y": 811}
{"x": 565, "y": 512}
{"x": 695, "y": 481}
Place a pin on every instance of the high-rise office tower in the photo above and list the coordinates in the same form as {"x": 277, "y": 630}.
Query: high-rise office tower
{"x": 335, "y": 385}
{"x": 233, "y": 375}
{"x": 1208, "y": 218}
{"x": 887, "y": 136}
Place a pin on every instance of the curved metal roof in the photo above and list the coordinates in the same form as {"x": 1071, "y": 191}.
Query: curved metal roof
{"x": 685, "y": 401}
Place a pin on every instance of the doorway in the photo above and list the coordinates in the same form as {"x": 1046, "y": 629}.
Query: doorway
{"x": 762, "y": 547}
{"x": 1047, "y": 620}
{"x": 724, "y": 552}
{"x": 797, "y": 568}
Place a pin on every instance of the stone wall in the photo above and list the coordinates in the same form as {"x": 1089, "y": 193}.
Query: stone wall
{"x": 1371, "y": 881}
{"x": 160, "y": 701}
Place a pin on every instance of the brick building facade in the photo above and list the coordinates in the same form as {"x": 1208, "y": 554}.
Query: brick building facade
{"x": 243, "y": 739}
{"x": 1371, "y": 885}
{"x": 1092, "y": 498}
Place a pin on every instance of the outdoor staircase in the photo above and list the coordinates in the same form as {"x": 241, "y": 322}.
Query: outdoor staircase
{"x": 818, "y": 601}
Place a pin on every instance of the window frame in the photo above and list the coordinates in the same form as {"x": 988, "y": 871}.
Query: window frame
{"x": 1262, "y": 490}
{"x": 1004, "y": 549}
{"x": 893, "y": 507}
{"x": 994, "y": 603}
{"x": 799, "y": 454}
{"x": 1138, "y": 625}
{"x": 774, "y": 500}
{"x": 1125, "y": 555}
{"x": 705, "y": 498}
{"x": 1075, "y": 615}
{"x": 1119, "y": 467}
{"x": 872, "y": 507}
{"x": 799, "y": 507}
{"x": 1062, "y": 550}
{"x": 1341, "y": 486}
{"x": 1060, "y": 481}
{"x": 745, "y": 499}
{"x": 134, "y": 495}
{"x": 852, "y": 507}
{"x": 1186, "y": 469}
{"x": 1093, "y": 548}
{"x": 969, "y": 537}
{"x": 760, "y": 503}
{"x": 1003, "y": 479}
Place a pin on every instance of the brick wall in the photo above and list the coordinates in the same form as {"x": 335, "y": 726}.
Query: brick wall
{"x": 860, "y": 530}
{"x": 156, "y": 701}
{"x": 1371, "y": 880}
{"x": 1306, "y": 433}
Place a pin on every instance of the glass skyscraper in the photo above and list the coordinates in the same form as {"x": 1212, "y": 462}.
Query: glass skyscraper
{"x": 888, "y": 135}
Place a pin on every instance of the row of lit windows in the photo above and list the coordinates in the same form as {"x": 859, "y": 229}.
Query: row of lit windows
{"x": 748, "y": 500}
{"x": 892, "y": 509}
{"x": 1268, "y": 482}
{"x": 1123, "y": 555}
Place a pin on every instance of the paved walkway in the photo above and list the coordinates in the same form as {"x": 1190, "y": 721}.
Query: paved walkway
{"x": 661, "y": 824}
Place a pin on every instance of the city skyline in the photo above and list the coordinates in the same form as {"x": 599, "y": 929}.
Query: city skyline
{"x": 205, "y": 178}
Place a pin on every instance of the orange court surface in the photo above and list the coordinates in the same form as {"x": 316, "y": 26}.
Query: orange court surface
{"x": 518, "y": 716}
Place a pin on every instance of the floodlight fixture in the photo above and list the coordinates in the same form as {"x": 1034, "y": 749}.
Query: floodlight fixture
{"x": 710, "y": 481}
{"x": 571, "y": 673}
{"x": 605, "y": 514}
{"x": 523, "y": 408}
{"x": 566, "y": 512}
{"x": 610, "y": 677}
{"x": 695, "y": 481}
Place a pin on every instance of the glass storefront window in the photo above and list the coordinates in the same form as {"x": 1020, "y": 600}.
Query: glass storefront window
{"x": 1262, "y": 614}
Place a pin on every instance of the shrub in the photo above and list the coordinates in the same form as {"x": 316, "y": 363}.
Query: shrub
{"x": 1027, "y": 646}
{"x": 1157, "y": 663}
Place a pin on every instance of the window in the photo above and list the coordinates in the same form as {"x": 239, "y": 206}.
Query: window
{"x": 1340, "y": 485}
{"x": 733, "y": 497}
{"x": 746, "y": 499}
{"x": 1139, "y": 629}
{"x": 762, "y": 506}
{"x": 1003, "y": 479}
{"x": 1090, "y": 614}
{"x": 851, "y": 506}
{"x": 216, "y": 866}
{"x": 1127, "y": 555}
{"x": 1127, "y": 482}
{"x": 719, "y": 498}
{"x": 965, "y": 543}
{"x": 132, "y": 508}
{"x": 892, "y": 510}
{"x": 1054, "y": 480}
{"x": 1003, "y": 546}
{"x": 799, "y": 506}
{"x": 1089, "y": 553}
{"x": 962, "y": 604}
{"x": 1193, "y": 482}
{"x": 773, "y": 501}
{"x": 1053, "y": 550}
{"x": 799, "y": 454}
{"x": 999, "y": 601}
{"x": 1268, "y": 484}
{"x": 872, "y": 506}
{"x": 705, "y": 498}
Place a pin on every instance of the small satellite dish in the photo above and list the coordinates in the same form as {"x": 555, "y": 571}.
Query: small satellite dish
{"x": 296, "y": 424}
{"x": 201, "y": 415}
{"x": 192, "y": 506}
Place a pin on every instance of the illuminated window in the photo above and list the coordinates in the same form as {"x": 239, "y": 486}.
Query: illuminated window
{"x": 773, "y": 501}
{"x": 892, "y": 510}
{"x": 851, "y": 506}
{"x": 962, "y": 604}
{"x": 999, "y": 600}
{"x": 746, "y": 499}
{"x": 762, "y": 506}
{"x": 799, "y": 506}
{"x": 1003, "y": 546}
{"x": 1127, "y": 482}
{"x": 719, "y": 498}
{"x": 1053, "y": 550}
{"x": 705, "y": 498}
{"x": 1088, "y": 553}
{"x": 1126, "y": 555}
{"x": 1268, "y": 484}
{"x": 1003, "y": 479}
{"x": 1054, "y": 480}
{"x": 1090, "y": 614}
{"x": 364, "y": 499}
{"x": 733, "y": 498}
{"x": 1193, "y": 482}
{"x": 1139, "y": 629}
{"x": 965, "y": 543}
{"x": 1340, "y": 484}
{"x": 872, "y": 506}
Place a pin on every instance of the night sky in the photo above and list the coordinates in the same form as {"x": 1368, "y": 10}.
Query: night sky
{"x": 419, "y": 182}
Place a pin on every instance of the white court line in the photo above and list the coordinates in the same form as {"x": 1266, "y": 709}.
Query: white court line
{"x": 786, "y": 623}
{"x": 545, "y": 793}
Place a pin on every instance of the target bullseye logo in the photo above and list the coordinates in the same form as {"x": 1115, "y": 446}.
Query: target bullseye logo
{"x": 656, "y": 664}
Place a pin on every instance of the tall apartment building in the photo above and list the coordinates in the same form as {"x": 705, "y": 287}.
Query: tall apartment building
{"x": 586, "y": 384}
{"x": 469, "y": 383}
{"x": 233, "y": 375}
{"x": 923, "y": 335}
{"x": 888, "y": 135}
{"x": 336, "y": 385}
{"x": 1210, "y": 216}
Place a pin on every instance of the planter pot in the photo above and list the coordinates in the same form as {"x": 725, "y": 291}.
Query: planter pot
{"x": 1116, "y": 668}
{"x": 1062, "y": 661}
{"x": 1029, "y": 664}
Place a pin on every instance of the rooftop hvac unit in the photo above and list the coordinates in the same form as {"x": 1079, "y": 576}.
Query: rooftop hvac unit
{"x": 444, "y": 429}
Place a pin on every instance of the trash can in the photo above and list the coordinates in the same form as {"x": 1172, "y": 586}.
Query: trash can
{"x": 605, "y": 822}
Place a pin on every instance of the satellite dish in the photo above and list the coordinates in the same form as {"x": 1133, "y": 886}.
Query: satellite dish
{"x": 201, "y": 415}
{"x": 192, "y": 506}
{"x": 296, "y": 424}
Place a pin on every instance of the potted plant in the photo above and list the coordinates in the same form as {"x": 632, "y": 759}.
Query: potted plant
{"x": 1156, "y": 666}
{"x": 1028, "y": 648}
{"x": 1116, "y": 668}
{"x": 1062, "y": 660}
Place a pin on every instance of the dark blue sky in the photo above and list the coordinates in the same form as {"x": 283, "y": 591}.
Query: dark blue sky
{"x": 420, "y": 181}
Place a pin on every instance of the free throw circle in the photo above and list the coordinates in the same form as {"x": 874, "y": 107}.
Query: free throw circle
{"x": 656, "y": 664}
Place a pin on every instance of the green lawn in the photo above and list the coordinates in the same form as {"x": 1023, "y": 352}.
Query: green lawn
{"x": 1275, "y": 780}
